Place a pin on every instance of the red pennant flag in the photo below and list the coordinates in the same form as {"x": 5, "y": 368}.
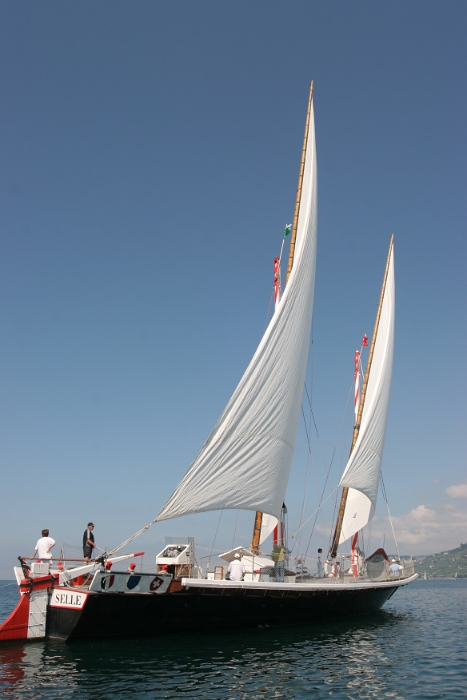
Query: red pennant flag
{"x": 365, "y": 341}
{"x": 277, "y": 282}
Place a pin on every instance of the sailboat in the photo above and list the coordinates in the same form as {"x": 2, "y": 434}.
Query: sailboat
{"x": 243, "y": 465}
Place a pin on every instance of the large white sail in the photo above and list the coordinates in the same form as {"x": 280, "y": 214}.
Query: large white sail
{"x": 363, "y": 469}
{"x": 245, "y": 462}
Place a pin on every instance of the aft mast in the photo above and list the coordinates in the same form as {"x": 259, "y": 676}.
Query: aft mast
{"x": 356, "y": 430}
{"x": 259, "y": 515}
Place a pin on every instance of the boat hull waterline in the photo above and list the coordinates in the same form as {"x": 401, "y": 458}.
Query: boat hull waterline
{"x": 210, "y": 605}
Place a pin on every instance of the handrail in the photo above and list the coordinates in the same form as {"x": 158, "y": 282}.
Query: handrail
{"x": 37, "y": 559}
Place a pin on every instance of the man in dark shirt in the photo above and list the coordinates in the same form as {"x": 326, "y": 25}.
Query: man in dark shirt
{"x": 88, "y": 543}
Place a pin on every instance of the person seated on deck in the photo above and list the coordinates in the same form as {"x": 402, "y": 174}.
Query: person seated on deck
{"x": 395, "y": 569}
{"x": 236, "y": 570}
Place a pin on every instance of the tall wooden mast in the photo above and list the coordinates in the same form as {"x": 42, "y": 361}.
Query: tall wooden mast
{"x": 356, "y": 429}
{"x": 259, "y": 515}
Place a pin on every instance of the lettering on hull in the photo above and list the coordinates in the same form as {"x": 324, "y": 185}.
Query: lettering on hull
{"x": 64, "y": 598}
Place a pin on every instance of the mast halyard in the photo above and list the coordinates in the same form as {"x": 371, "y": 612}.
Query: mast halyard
{"x": 259, "y": 515}
{"x": 356, "y": 430}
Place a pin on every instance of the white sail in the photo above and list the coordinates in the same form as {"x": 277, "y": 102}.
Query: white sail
{"x": 245, "y": 462}
{"x": 268, "y": 523}
{"x": 358, "y": 512}
{"x": 363, "y": 469}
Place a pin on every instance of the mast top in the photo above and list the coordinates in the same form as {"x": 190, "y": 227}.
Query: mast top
{"x": 299, "y": 187}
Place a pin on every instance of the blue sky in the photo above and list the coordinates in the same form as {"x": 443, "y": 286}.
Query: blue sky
{"x": 149, "y": 161}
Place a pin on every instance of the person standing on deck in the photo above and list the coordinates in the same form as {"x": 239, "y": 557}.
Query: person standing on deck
{"x": 43, "y": 547}
{"x": 320, "y": 564}
{"x": 278, "y": 557}
{"x": 236, "y": 569}
{"x": 88, "y": 543}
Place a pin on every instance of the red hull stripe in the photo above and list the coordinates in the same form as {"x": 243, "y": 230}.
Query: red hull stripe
{"x": 16, "y": 625}
{"x": 37, "y": 584}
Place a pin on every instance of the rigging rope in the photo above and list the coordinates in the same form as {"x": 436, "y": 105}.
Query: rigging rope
{"x": 344, "y": 415}
{"x": 314, "y": 512}
{"x": 320, "y": 443}
{"x": 215, "y": 535}
{"x": 304, "y": 492}
{"x": 235, "y": 529}
{"x": 383, "y": 489}
{"x": 307, "y": 436}
{"x": 334, "y": 492}
{"x": 133, "y": 537}
{"x": 310, "y": 456}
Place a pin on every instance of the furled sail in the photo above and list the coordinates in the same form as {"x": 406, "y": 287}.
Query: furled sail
{"x": 363, "y": 469}
{"x": 245, "y": 462}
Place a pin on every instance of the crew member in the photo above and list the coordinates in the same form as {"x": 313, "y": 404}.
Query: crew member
{"x": 395, "y": 569}
{"x": 43, "y": 547}
{"x": 236, "y": 569}
{"x": 278, "y": 557}
{"x": 320, "y": 564}
{"x": 88, "y": 542}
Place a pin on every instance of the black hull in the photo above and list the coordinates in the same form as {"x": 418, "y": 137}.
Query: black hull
{"x": 121, "y": 615}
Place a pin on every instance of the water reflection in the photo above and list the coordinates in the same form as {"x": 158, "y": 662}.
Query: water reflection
{"x": 289, "y": 662}
{"x": 11, "y": 665}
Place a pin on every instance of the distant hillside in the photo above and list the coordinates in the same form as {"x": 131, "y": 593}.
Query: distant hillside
{"x": 450, "y": 564}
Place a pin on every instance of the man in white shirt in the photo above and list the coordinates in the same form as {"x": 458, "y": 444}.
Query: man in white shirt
{"x": 236, "y": 569}
{"x": 320, "y": 564}
{"x": 395, "y": 568}
{"x": 43, "y": 547}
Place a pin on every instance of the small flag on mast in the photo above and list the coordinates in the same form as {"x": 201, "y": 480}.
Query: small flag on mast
{"x": 365, "y": 341}
{"x": 288, "y": 228}
{"x": 356, "y": 401}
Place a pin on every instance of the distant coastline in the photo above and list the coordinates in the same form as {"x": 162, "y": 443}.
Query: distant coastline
{"x": 449, "y": 564}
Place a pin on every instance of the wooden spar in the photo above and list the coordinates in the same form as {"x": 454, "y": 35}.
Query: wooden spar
{"x": 256, "y": 532}
{"x": 259, "y": 515}
{"x": 356, "y": 429}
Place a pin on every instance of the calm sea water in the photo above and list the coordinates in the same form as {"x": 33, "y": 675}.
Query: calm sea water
{"x": 414, "y": 648}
